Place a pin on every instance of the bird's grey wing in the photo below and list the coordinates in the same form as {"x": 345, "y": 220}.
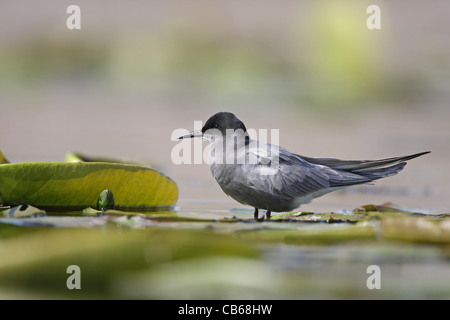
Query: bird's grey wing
{"x": 359, "y": 165}
{"x": 294, "y": 177}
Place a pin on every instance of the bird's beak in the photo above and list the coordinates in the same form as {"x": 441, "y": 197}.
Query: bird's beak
{"x": 192, "y": 134}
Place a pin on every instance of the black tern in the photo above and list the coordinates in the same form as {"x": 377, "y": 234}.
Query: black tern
{"x": 269, "y": 177}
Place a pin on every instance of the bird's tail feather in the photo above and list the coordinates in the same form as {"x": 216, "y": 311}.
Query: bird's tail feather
{"x": 379, "y": 173}
{"x": 363, "y": 166}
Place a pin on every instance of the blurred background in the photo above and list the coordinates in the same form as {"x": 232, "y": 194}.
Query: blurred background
{"x": 138, "y": 70}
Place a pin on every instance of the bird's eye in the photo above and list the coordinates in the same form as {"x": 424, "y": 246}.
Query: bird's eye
{"x": 216, "y": 126}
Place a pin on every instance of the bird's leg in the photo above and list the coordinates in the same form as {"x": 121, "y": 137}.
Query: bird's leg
{"x": 268, "y": 212}
{"x": 255, "y": 215}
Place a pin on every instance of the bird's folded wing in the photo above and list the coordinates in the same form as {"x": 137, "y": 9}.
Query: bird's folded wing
{"x": 295, "y": 177}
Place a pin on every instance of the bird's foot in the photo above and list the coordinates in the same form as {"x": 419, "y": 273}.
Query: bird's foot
{"x": 256, "y": 215}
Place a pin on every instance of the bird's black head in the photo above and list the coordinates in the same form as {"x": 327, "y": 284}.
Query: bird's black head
{"x": 222, "y": 121}
{"x": 218, "y": 125}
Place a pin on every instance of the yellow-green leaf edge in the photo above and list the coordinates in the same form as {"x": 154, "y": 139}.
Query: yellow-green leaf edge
{"x": 78, "y": 184}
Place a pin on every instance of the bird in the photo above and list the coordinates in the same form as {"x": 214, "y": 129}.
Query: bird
{"x": 269, "y": 177}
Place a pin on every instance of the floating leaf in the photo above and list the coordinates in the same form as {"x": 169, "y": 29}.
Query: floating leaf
{"x": 61, "y": 184}
{"x": 416, "y": 229}
{"x": 326, "y": 234}
{"x": 385, "y": 207}
{"x": 328, "y": 217}
{"x": 92, "y": 212}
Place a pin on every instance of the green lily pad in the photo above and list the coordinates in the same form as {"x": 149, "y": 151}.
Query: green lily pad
{"x": 78, "y": 184}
